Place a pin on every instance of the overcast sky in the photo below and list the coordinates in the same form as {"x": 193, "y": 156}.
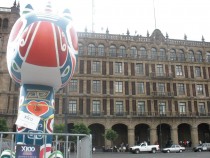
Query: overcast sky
{"x": 175, "y": 17}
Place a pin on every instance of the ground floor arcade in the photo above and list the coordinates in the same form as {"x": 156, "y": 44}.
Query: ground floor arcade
{"x": 152, "y": 130}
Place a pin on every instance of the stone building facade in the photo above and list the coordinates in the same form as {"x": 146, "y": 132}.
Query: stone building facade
{"x": 152, "y": 88}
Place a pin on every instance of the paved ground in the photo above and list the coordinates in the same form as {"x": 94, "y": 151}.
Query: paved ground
{"x": 186, "y": 154}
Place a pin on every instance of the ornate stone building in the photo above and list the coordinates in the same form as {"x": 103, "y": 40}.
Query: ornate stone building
{"x": 149, "y": 88}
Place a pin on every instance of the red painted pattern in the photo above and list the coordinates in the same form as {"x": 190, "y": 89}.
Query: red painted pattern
{"x": 38, "y": 108}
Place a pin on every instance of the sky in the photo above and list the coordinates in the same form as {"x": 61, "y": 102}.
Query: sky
{"x": 174, "y": 17}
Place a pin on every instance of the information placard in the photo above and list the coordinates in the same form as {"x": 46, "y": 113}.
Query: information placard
{"x": 27, "y": 151}
{"x": 27, "y": 120}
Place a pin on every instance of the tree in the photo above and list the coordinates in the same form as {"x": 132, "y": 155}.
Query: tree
{"x": 59, "y": 128}
{"x": 80, "y": 128}
{"x": 111, "y": 135}
{"x": 3, "y": 126}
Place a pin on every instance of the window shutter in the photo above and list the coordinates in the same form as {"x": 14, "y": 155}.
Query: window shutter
{"x": 173, "y": 70}
{"x": 193, "y": 90}
{"x": 104, "y": 87}
{"x": 111, "y": 90}
{"x": 126, "y": 88}
{"x": 174, "y": 88}
{"x": 192, "y": 71}
{"x": 88, "y": 107}
{"x": 88, "y": 67}
{"x": 126, "y": 69}
{"x": 104, "y": 68}
{"x": 111, "y": 107}
{"x": 88, "y": 86}
{"x": 104, "y": 106}
{"x": 132, "y": 69}
{"x": 134, "y": 105}
{"x": 127, "y": 106}
{"x": 133, "y": 88}
{"x": 81, "y": 67}
{"x": 188, "y": 90}
{"x": 81, "y": 106}
{"x": 148, "y": 88}
{"x": 207, "y": 90}
{"x": 186, "y": 71}
{"x": 110, "y": 68}
{"x": 189, "y": 106}
{"x": 204, "y": 72}
{"x": 147, "y": 69}
{"x": 80, "y": 86}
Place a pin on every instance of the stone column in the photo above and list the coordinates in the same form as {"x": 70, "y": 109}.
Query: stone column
{"x": 153, "y": 135}
{"x": 131, "y": 137}
{"x": 194, "y": 136}
{"x": 107, "y": 142}
{"x": 174, "y": 135}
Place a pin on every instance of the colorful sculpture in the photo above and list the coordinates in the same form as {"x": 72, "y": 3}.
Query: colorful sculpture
{"x": 41, "y": 58}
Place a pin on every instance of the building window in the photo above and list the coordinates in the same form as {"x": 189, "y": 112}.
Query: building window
{"x": 119, "y": 108}
{"x": 162, "y": 108}
{"x": 161, "y": 87}
{"x": 122, "y": 52}
{"x": 72, "y": 109}
{"x": 80, "y": 49}
{"x": 179, "y": 71}
{"x": 201, "y": 109}
{"x": 181, "y": 89}
{"x": 199, "y": 57}
{"x": 118, "y": 86}
{"x": 101, "y": 50}
{"x": 182, "y": 108}
{"x": 96, "y": 107}
{"x": 96, "y": 66}
{"x": 172, "y": 55}
{"x": 199, "y": 89}
{"x": 191, "y": 56}
{"x": 181, "y": 56}
{"x": 73, "y": 86}
{"x": 140, "y": 87}
{"x": 5, "y": 23}
{"x": 159, "y": 69}
{"x": 162, "y": 54}
{"x": 153, "y": 54}
{"x": 112, "y": 51}
{"x": 141, "y": 108}
{"x": 139, "y": 69}
{"x": 208, "y": 57}
{"x": 96, "y": 86}
{"x": 197, "y": 71}
{"x": 133, "y": 52}
{"x": 91, "y": 49}
{"x": 118, "y": 67}
{"x": 143, "y": 53}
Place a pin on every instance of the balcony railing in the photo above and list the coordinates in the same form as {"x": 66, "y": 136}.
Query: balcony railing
{"x": 133, "y": 114}
{"x": 162, "y": 94}
{"x": 161, "y": 75}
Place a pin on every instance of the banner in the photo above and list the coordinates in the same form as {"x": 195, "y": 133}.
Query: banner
{"x": 27, "y": 151}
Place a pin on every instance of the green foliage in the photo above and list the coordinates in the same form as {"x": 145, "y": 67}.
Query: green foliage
{"x": 59, "y": 128}
{"x": 80, "y": 128}
{"x": 111, "y": 135}
{"x": 3, "y": 126}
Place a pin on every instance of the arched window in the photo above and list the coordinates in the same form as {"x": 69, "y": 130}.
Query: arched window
{"x": 81, "y": 49}
{"x": 199, "y": 57}
{"x": 112, "y": 51}
{"x": 0, "y": 22}
{"x": 181, "y": 56}
{"x": 5, "y": 23}
{"x": 133, "y": 52}
{"x": 101, "y": 50}
{"x": 122, "y": 52}
{"x": 162, "y": 54}
{"x": 172, "y": 54}
{"x": 91, "y": 49}
{"x": 153, "y": 53}
{"x": 143, "y": 53}
{"x": 208, "y": 57}
{"x": 191, "y": 56}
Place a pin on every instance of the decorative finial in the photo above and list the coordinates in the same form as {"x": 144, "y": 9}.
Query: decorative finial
{"x": 147, "y": 33}
{"x": 128, "y": 33}
{"x": 166, "y": 35}
{"x": 107, "y": 31}
{"x": 18, "y": 6}
{"x": 86, "y": 29}
{"x": 14, "y": 4}
{"x": 185, "y": 37}
{"x": 203, "y": 39}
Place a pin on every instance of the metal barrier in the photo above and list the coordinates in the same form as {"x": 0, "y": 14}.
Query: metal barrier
{"x": 71, "y": 145}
